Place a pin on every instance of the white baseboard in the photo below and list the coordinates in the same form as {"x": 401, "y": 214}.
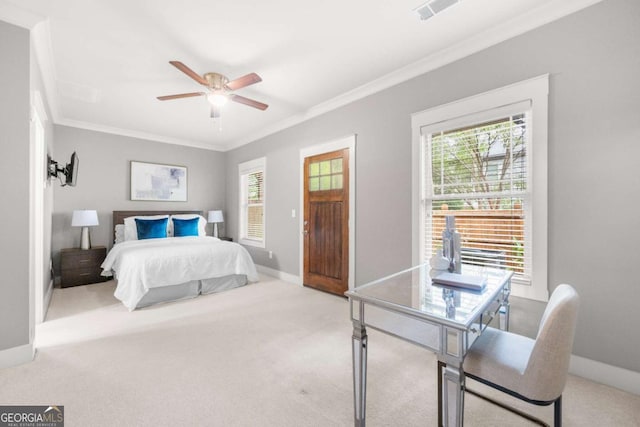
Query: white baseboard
{"x": 296, "y": 280}
{"x": 17, "y": 355}
{"x": 610, "y": 375}
{"x": 593, "y": 370}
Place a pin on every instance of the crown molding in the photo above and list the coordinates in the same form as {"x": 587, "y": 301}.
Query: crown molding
{"x": 542, "y": 15}
{"x": 533, "y": 19}
{"x": 139, "y": 134}
{"x": 18, "y": 16}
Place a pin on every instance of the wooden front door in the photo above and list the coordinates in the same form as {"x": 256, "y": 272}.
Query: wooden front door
{"x": 326, "y": 221}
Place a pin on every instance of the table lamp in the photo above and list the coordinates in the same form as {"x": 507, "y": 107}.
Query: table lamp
{"x": 84, "y": 219}
{"x": 215, "y": 217}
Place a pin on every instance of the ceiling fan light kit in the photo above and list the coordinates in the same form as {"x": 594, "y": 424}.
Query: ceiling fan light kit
{"x": 217, "y": 99}
{"x": 219, "y": 87}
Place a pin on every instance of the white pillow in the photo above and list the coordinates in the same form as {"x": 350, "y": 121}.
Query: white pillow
{"x": 130, "y": 229}
{"x": 202, "y": 224}
{"x": 119, "y": 233}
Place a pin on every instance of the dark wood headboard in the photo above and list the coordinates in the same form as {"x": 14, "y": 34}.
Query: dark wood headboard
{"x": 119, "y": 216}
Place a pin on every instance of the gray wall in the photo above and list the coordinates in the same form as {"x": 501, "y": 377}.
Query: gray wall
{"x": 103, "y": 181}
{"x": 14, "y": 164}
{"x": 593, "y": 57}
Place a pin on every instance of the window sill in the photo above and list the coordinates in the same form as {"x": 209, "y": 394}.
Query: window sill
{"x": 254, "y": 243}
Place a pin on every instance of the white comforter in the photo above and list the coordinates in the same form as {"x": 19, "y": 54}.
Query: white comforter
{"x": 143, "y": 264}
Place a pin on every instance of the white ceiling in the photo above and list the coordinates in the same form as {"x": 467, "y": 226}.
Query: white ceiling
{"x": 105, "y": 61}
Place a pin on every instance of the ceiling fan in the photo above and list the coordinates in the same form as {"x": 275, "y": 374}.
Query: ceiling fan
{"x": 219, "y": 87}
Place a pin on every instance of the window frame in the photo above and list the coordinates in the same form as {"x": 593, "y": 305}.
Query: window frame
{"x": 473, "y": 108}
{"x": 244, "y": 169}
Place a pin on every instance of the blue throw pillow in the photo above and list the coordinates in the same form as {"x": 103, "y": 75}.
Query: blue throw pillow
{"x": 185, "y": 227}
{"x": 151, "y": 228}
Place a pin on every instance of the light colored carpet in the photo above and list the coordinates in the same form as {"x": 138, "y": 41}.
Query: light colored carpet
{"x": 267, "y": 354}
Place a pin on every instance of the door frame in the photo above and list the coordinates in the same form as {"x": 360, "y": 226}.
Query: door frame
{"x": 327, "y": 147}
{"x": 38, "y": 183}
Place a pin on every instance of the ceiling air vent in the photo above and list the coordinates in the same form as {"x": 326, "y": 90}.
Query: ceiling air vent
{"x": 432, "y": 7}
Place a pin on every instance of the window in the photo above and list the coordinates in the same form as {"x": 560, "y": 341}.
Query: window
{"x": 479, "y": 175}
{"x": 252, "y": 202}
{"x": 475, "y": 161}
{"x": 325, "y": 175}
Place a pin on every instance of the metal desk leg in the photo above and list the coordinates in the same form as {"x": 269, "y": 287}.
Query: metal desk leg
{"x": 441, "y": 366}
{"x": 504, "y": 316}
{"x": 451, "y": 394}
{"x": 504, "y": 311}
{"x": 359, "y": 371}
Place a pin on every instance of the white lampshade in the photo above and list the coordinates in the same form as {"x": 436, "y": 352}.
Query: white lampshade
{"x": 84, "y": 218}
{"x": 215, "y": 216}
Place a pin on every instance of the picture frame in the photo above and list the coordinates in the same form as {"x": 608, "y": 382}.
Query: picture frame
{"x": 158, "y": 182}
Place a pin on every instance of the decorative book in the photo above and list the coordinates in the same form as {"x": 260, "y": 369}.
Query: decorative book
{"x": 467, "y": 281}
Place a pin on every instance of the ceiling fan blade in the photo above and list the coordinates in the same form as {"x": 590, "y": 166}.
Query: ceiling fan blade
{"x": 244, "y": 81}
{"x": 181, "y": 95}
{"x": 189, "y": 72}
{"x": 215, "y": 112}
{"x": 249, "y": 102}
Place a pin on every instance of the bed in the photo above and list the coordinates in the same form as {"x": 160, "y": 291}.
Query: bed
{"x": 153, "y": 270}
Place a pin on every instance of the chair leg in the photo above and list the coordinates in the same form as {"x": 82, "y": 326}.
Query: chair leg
{"x": 511, "y": 409}
{"x": 557, "y": 412}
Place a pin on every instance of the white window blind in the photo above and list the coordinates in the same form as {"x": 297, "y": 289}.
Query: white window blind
{"x": 511, "y": 196}
{"x": 255, "y": 207}
{"x": 252, "y": 202}
{"x": 479, "y": 173}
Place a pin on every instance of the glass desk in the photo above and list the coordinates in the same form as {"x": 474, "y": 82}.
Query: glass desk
{"x": 445, "y": 320}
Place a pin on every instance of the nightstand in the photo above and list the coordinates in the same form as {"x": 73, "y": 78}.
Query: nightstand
{"x": 228, "y": 239}
{"x": 82, "y": 266}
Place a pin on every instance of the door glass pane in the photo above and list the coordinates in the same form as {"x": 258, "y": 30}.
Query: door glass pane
{"x": 314, "y": 169}
{"x": 336, "y": 182}
{"x": 325, "y": 167}
{"x": 325, "y": 182}
{"x": 336, "y": 166}
{"x": 314, "y": 184}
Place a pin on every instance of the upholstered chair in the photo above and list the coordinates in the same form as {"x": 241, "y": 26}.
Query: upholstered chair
{"x": 532, "y": 370}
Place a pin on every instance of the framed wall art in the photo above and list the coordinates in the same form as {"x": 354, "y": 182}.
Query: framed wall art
{"x": 158, "y": 182}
